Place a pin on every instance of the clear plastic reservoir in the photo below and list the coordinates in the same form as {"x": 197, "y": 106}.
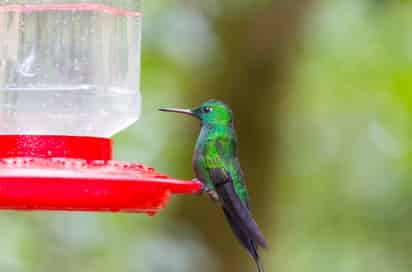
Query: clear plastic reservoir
{"x": 69, "y": 67}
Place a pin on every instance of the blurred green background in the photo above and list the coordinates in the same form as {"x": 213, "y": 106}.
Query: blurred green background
{"x": 321, "y": 91}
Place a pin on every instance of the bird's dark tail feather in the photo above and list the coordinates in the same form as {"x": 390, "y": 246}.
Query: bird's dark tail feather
{"x": 241, "y": 215}
{"x": 241, "y": 221}
{"x": 259, "y": 266}
{"x": 250, "y": 245}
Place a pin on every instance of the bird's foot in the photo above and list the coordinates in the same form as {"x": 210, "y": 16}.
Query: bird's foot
{"x": 205, "y": 189}
{"x": 213, "y": 195}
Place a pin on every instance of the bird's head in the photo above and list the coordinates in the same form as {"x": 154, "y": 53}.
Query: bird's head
{"x": 211, "y": 112}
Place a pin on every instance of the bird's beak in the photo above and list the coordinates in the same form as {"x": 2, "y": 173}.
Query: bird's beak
{"x": 184, "y": 111}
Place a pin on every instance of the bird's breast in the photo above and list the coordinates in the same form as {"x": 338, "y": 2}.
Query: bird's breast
{"x": 197, "y": 163}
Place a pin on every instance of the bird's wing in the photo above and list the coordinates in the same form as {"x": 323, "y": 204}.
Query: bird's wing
{"x": 240, "y": 215}
{"x": 226, "y": 150}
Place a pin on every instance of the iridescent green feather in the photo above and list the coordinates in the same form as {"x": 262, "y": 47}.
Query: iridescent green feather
{"x": 216, "y": 165}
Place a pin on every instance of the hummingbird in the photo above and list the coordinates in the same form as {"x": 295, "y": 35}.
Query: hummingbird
{"x": 217, "y": 167}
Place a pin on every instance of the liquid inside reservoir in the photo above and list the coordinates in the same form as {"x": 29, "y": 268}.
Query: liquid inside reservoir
{"x": 68, "y": 69}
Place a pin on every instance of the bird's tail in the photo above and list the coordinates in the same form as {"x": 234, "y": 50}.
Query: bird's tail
{"x": 241, "y": 222}
{"x": 259, "y": 266}
{"x": 246, "y": 242}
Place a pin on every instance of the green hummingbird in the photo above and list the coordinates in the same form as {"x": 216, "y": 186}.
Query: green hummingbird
{"x": 216, "y": 165}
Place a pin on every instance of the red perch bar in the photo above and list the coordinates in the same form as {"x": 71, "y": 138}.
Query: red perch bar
{"x": 70, "y": 173}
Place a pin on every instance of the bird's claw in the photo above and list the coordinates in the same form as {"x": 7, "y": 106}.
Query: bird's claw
{"x": 213, "y": 195}
{"x": 205, "y": 189}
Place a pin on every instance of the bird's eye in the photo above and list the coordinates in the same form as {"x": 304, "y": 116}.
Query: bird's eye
{"x": 207, "y": 109}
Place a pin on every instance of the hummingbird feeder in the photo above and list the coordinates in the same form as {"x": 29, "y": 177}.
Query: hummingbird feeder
{"x": 69, "y": 81}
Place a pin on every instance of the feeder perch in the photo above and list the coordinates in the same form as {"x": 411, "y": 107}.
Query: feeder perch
{"x": 69, "y": 81}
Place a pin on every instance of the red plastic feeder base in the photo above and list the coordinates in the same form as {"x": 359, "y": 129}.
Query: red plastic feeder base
{"x": 67, "y": 173}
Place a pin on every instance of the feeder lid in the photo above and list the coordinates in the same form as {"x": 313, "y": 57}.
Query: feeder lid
{"x": 69, "y": 173}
